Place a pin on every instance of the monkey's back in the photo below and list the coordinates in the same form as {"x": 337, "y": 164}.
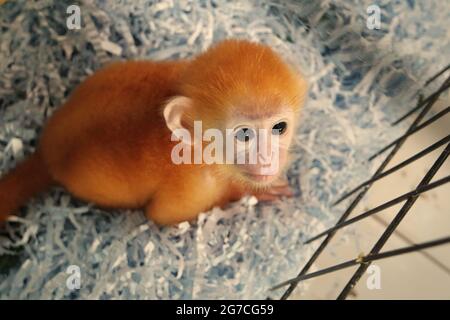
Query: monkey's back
{"x": 108, "y": 142}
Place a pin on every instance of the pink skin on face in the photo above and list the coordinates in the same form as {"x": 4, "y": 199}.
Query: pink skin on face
{"x": 265, "y": 170}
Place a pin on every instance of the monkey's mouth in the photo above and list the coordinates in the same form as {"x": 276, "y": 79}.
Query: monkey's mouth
{"x": 260, "y": 178}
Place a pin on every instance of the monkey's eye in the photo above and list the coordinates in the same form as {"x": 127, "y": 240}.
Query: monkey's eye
{"x": 279, "y": 128}
{"x": 244, "y": 134}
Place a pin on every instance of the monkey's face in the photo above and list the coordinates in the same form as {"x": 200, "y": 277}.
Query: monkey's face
{"x": 248, "y": 140}
{"x": 261, "y": 144}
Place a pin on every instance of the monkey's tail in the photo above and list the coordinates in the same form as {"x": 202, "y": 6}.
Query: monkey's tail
{"x": 26, "y": 180}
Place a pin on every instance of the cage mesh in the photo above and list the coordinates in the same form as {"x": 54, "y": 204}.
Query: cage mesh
{"x": 423, "y": 107}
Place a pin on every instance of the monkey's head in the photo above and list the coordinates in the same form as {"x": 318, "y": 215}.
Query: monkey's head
{"x": 248, "y": 92}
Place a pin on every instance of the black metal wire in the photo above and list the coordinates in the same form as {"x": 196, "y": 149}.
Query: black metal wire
{"x": 437, "y": 75}
{"x": 365, "y": 259}
{"x": 423, "y": 103}
{"x": 423, "y": 125}
{"x": 388, "y": 204}
{"x": 401, "y": 165}
{"x": 322, "y": 246}
{"x": 426, "y": 104}
{"x": 393, "y": 225}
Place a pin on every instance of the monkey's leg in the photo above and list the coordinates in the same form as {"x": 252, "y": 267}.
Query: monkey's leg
{"x": 183, "y": 201}
{"x": 166, "y": 210}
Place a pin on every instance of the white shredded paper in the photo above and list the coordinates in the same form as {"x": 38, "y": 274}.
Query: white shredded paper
{"x": 360, "y": 80}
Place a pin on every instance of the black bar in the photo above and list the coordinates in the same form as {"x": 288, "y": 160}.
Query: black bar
{"x": 393, "y": 225}
{"x": 423, "y": 125}
{"x": 365, "y": 259}
{"x": 415, "y": 157}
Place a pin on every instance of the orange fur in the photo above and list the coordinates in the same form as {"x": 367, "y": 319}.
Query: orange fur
{"x": 239, "y": 76}
{"x": 26, "y": 180}
{"x": 109, "y": 144}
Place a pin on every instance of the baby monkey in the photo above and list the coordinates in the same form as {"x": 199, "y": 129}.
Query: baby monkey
{"x": 112, "y": 143}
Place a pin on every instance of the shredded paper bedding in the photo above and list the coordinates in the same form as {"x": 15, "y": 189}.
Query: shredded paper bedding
{"x": 360, "y": 79}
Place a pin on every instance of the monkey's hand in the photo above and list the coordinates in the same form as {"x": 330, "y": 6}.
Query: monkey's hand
{"x": 275, "y": 191}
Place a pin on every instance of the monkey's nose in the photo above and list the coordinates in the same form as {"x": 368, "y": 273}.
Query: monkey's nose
{"x": 264, "y": 159}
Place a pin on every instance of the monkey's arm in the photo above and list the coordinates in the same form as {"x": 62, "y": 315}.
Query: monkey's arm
{"x": 237, "y": 191}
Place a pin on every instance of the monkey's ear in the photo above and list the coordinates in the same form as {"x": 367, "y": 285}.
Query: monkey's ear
{"x": 173, "y": 115}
